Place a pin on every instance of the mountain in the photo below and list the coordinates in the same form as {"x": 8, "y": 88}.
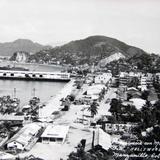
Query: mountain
{"x": 8, "y": 48}
{"x": 89, "y": 50}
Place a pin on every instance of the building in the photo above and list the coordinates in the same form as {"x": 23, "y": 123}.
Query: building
{"x": 103, "y": 78}
{"x": 133, "y": 92}
{"x": 101, "y": 138}
{"x": 143, "y": 80}
{"x": 125, "y": 128}
{"x": 123, "y": 78}
{"x": 56, "y": 133}
{"x": 93, "y": 92}
{"x": 95, "y": 89}
{"x": 24, "y": 137}
{"x": 135, "y": 74}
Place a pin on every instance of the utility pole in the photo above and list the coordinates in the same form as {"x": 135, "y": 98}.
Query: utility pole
{"x": 93, "y": 138}
{"x": 34, "y": 92}
{"x": 14, "y": 93}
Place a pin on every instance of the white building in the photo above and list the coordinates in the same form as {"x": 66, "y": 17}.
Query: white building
{"x": 24, "y": 137}
{"x": 95, "y": 89}
{"x": 92, "y": 92}
{"x": 56, "y": 133}
{"x": 103, "y": 78}
{"x": 135, "y": 74}
{"x": 101, "y": 138}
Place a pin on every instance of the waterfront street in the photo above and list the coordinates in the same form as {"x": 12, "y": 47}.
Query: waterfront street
{"x": 77, "y": 130}
{"x": 54, "y": 103}
{"x": 105, "y": 106}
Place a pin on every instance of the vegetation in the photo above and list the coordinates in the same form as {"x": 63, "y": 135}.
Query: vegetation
{"x": 96, "y": 153}
{"x": 148, "y": 118}
{"x": 123, "y": 113}
{"x": 87, "y": 51}
{"x": 145, "y": 95}
{"x": 134, "y": 82}
{"x": 115, "y": 107}
{"x": 93, "y": 108}
{"x": 8, "y": 105}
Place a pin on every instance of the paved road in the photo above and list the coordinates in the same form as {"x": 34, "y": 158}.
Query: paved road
{"x": 104, "y": 107}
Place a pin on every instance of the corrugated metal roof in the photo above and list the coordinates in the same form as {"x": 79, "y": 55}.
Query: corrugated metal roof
{"x": 25, "y": 134}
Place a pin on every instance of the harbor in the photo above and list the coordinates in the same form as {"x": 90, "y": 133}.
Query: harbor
{"x": 26, "y": 89}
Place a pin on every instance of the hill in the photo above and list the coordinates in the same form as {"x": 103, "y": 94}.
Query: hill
{"x": 8, "y": 48}
{"x": 89, "y": 50}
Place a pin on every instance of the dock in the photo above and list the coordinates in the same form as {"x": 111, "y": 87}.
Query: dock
{"x": 34, "y": 75}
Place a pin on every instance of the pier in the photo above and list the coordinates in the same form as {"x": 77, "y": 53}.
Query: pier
{"x": 34, "y": 75}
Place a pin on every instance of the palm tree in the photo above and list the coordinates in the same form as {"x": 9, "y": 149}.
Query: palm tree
{"x": 146, "y": 116}
{"x": 115, "y": 108}
{"x": 93, "y": 108}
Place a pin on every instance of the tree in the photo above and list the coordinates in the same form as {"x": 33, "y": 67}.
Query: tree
{"x": 146, "y": 116}
{"x": 145, "y": 95}
{"x": 134, "y": 82}
{"x": 157, "y": 111}
{"x": 93, "y": 108}
{"x": 115, "y": 107}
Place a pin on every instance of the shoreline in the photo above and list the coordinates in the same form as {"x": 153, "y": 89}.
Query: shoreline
{"x": 54, "y": 104}
{"x": 27, "y": 63}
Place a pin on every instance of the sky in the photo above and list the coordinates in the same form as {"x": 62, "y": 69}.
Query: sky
{"x": 135, "y": 22}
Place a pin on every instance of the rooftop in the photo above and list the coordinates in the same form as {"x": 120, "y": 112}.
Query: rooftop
{"x": 58, "y": 131}
{"x": 25, "y": 134}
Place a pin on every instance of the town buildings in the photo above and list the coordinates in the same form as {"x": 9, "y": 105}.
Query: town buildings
{"x": 22, "y": 139}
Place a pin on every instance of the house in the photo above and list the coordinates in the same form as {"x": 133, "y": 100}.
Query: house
{"x": 143, "y": 80}
{"x": 133, "y": 92}
{"x": 55, "y": 133}
{"x": 132, "y": 89}
{"x": 24, "y": 137}
{"x": 136, "y": 95}
{"x": 123, "y": 78}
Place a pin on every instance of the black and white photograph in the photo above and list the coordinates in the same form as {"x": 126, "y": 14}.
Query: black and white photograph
{"x": 79, "y": 79}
